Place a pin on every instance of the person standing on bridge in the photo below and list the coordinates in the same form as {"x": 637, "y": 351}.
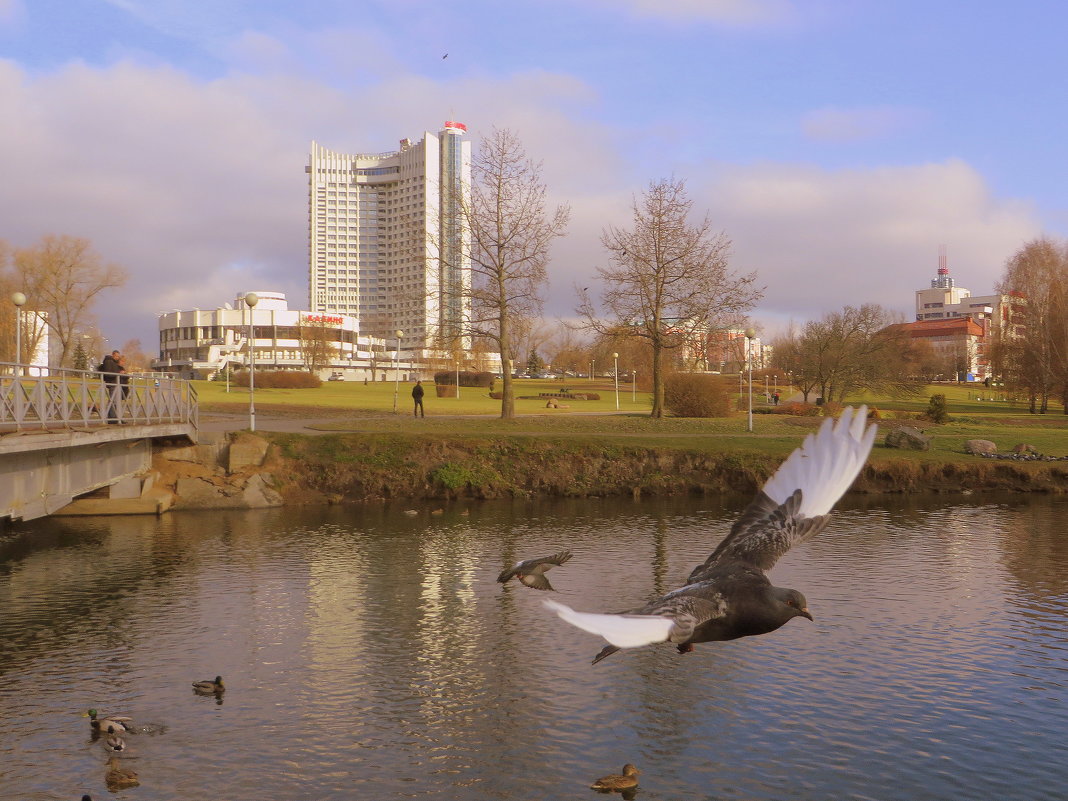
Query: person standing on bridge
{"x": 111, "y": 367}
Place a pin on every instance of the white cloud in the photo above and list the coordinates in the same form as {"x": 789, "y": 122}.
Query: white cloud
{"x": 857, "y": 124}
{"x": 822, "y": 239}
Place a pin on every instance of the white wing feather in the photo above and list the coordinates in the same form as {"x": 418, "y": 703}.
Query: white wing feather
{"x": 825, "y": 465}
{"x": 623, "y": 631}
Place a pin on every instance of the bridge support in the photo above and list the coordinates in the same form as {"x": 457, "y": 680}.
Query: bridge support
{"x": 37, "y": 481}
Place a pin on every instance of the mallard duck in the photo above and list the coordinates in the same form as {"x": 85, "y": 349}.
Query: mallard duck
{"x": 532, "y": 571}
{"x": 730, "y": 595}
{"x": 209, "y": 686}
{"x": 115, "y": 743}
{"x": 119, "y": 778}
{"x": 114, "y": 724}
{"x": 616, "y": 784}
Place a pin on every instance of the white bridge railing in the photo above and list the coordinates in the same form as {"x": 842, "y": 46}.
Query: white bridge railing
{"x": 62, "y": 398}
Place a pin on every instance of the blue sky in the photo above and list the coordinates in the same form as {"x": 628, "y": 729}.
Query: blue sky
{"x": 837, "y": 143}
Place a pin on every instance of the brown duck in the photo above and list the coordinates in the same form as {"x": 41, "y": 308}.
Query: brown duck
{"x": 617, "y": 784}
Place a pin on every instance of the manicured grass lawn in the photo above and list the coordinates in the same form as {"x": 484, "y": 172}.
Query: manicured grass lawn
{"x": 378, "y": 398}
{"x": 356, "y": 407}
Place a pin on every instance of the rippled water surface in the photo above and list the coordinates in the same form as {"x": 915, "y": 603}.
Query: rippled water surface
{"x": 371, "y": 655}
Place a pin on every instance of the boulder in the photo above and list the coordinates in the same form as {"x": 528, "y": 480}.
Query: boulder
{"x": 1023, "y": 448}
{"x": 980, "y": 447}
{"x": 908, "y": 438}
{"x": 247, "y": 451}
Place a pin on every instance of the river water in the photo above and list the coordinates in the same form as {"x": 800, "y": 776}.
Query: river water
{"x": 369, "y": 654}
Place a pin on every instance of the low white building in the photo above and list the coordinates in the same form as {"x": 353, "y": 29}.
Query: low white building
{"x": 200, "y": 343}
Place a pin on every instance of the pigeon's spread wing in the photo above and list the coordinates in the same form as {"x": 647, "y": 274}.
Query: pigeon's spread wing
{"x": 669, "y": 619}
{"x": 795, "y": 502}
{"x": 536, "y": 580}
{"x": 535, "y": 566}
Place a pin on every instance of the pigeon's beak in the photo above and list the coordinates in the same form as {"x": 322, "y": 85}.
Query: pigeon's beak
{"x": 806, "y": 613}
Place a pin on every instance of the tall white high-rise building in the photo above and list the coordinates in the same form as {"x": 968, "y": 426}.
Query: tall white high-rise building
{"x": 387, "y": 242}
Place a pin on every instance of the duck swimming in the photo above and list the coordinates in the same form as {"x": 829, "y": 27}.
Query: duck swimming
{"x": 209, "y": 686}
{"x": 616, "y": 784}
{"x": 115, "y": 724}
{"x": 119, "y": 778}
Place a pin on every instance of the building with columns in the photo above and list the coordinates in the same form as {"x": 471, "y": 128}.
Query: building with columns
{"x": 201, "y": 343}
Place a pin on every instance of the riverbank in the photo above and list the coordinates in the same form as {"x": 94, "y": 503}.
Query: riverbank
{"x": 271, "y": 468}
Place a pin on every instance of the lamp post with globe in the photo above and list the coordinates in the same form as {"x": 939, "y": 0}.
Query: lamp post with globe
{"x": 19, "y": 299}
{"x": 251, "y": 299}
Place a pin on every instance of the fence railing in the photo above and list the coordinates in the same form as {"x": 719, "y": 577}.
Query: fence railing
{"x": 61, "y": 398}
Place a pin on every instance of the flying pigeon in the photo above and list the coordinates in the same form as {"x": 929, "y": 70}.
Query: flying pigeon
{"x": 729, "y": 595}
{"x": 532, "y": 571}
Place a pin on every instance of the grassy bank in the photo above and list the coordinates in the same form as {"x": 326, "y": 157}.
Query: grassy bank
{"x": 372, "y": 453}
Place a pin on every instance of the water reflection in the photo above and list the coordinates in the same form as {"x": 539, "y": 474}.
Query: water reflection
{"x": 371, "y": 654}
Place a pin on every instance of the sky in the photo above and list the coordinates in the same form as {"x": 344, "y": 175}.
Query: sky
{"x": 838, "y": 144}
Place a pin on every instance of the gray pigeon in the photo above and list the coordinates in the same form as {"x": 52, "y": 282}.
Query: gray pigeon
{"x": 729, "y": 595}
{"x": 532, "y": 571}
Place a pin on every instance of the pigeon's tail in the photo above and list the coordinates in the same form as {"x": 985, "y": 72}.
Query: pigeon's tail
{"x": 623, "y": 631}
{"x": 826, "y": 463}
{"x": 604, "y": 653}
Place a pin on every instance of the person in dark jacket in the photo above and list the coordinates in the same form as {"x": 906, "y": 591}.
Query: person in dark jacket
{"x": 417, "y": 396}
{"x": 110, "y": 368}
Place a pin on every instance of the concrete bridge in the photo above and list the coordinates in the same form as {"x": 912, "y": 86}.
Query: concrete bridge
{"x": 64, "y": 433}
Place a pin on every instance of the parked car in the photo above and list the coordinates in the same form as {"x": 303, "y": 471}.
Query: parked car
{"x": 336, "y": 377}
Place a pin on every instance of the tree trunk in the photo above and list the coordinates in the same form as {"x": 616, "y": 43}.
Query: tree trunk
{"x": 507, "y": 392}
{"x": 658, "y": 381}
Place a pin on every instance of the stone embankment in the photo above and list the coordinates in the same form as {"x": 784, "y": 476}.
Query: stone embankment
{"x": 223, "y": 471}
{"x": 247, "y": 471}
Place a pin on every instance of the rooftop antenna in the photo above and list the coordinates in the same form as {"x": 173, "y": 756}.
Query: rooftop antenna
{"x": 943, "y": 281}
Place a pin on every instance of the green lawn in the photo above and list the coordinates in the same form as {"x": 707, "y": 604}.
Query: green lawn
{"x": 356, "y": 407}
{"x": 378, "y": 398}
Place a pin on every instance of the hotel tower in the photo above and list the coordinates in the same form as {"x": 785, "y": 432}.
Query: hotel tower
{"x": 386, "y": 238}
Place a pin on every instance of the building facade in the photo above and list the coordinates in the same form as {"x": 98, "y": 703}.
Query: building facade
{"x": 387, "y": 242}
{"x": 202, "y": 343}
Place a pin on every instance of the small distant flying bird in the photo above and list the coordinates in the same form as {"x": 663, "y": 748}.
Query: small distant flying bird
{"x": 444, "y": 56}
{"x": 531, "y": 572}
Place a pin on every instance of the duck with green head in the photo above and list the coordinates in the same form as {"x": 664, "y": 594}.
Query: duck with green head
{"x": 209, "y": 686}
{"x": 110, "y": 724}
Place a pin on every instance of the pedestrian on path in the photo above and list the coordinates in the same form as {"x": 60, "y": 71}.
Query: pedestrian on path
{"x": 417, "y": 396}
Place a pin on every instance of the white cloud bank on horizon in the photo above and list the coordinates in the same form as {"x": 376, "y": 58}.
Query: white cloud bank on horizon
{"x": 198, "y": 188}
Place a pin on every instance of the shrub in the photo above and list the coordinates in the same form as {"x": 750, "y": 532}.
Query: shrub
{"x": 832, "y": 408}
{"x": 467, "y": 379}
{"x": 936, "y": 409}
{"x": 691, "y": 395}
{"x": 279, "y": 379}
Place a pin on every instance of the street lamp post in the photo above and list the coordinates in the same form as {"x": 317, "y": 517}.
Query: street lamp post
{"x": 633, "y": 385}
{"x": 457, "y": 379}
{"x": 396, "y": 370}
{"x": 593, "y": 367}
{"x": 251, "y": 299}
{"x": 19, "y": 299}
{"x": 615, "y": 369}
{"x": 749, "y": 335}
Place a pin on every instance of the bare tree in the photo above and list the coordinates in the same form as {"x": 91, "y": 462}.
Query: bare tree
{"x": 318, "y": 344}
{"x": 669, "y": 278}
{"x": 1030, "y": 351}
{"x": 510, "y": 232}
{"x": 62, "y": 276}
{"x": 857, "y": 348}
